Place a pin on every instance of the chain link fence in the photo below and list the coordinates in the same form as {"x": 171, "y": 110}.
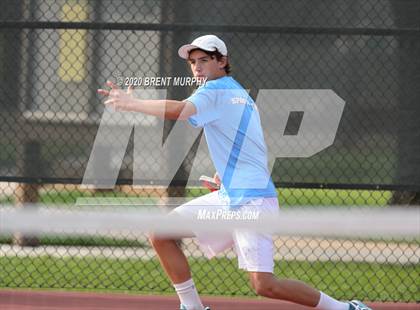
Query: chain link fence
{"x": 54, "y": 55}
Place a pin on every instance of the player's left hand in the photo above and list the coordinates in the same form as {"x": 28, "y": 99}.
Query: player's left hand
{"x": 118, "y": 98}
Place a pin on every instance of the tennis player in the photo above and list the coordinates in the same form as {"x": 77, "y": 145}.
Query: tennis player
{"x": 236, "y": 144}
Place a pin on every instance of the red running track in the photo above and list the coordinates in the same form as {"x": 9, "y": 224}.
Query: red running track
{"x": 49, "y": 300}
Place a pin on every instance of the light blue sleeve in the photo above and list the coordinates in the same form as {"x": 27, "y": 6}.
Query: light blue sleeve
{"x": 205, "y": 101}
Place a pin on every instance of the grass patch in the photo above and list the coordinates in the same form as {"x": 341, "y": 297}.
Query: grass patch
{"x": 82, "y": 241}
{"x": 5, "y": 200}
{"x": 287, "y": 197}
{"x": 215, "y": 277}
{"x": 71, "y": 197}
{"x": 322, "y": 197}
{"x": 332, "y": 197}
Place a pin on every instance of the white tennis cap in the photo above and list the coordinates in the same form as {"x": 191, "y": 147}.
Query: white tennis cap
{"x": 208, "y": 43}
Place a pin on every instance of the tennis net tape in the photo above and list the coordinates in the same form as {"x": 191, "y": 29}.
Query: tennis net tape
{"x": 378, "y": 222}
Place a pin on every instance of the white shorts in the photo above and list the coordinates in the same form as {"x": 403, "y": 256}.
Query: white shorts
{"x": 254, "y": 250}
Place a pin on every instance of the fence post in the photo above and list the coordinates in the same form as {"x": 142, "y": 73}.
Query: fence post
{"x": 27, "y": 193}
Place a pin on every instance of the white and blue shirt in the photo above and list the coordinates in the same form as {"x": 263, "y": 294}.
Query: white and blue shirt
{"x": 235, "y": 139}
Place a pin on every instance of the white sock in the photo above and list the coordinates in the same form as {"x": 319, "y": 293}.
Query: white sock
{"x": 328, "y": 303}
{"x": 188, "y": 295}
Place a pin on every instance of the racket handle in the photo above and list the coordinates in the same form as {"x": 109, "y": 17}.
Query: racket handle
{"x": 209, "y": 183}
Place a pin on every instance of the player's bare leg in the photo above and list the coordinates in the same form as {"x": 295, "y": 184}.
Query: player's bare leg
{"x": 267, "y": 285}
{"x": 171, "y": 258}
{"x": 176, "y": 267}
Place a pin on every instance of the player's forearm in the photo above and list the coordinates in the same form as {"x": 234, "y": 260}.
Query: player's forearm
{"x": 168, "y": 109}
